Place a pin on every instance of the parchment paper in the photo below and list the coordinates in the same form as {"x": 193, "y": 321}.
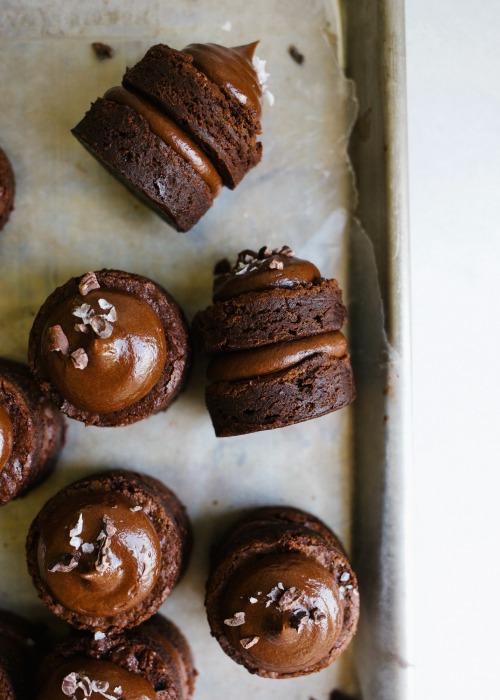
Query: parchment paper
{"x": 72, "y": 216}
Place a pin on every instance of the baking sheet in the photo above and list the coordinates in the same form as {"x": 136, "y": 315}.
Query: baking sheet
{"x": 72, "y": 216}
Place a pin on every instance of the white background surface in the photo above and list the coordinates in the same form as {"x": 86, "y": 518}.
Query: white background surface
{"x": 453, "y": 54}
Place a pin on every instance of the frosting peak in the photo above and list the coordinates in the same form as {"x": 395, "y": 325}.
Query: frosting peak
{"x": 231, "y": 69}
{"x": 99, "y": 555}
{"x": 283, "y": 612}
{"x": 103, "y": 350}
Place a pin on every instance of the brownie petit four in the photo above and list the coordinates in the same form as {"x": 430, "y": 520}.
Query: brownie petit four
{"x": 31, "y": 432}
{"x": 19, "y": 641}
{"x": 282, "y": 598}
{"x": 106, "y": 551}
{"x": 150, "y": 662}
{"x": 110, "y": 348}
{"x": 7, "y": 189}
{"x": 182, "y": 124}
{"x": 278, "y": 356}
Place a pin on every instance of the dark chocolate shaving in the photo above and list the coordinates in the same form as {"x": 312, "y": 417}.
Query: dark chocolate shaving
{"x": 79, "y": 358}
{"x": 235, "y": 621}
{"x": 248, "y": 642}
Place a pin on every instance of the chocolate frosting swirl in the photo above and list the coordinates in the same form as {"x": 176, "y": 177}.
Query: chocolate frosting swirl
{"x": 171, "y": 134}
{"x": 104, "y": 351}
{"x": 83, "y": 677}
{"x": 98, "y": 554}
{"x": 254, "y": 272}
{"x": 245, "y": 364}
{"x": 282, "y": 612}
{"x": 6, "y": 437}
{"x": 231, "y": 69}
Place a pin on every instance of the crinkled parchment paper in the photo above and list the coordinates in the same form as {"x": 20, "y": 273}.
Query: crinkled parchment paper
{"x": 72, "y": 216}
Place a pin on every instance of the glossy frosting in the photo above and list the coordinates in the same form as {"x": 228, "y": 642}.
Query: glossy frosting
{"x": 119, "y": 369}
{"x": 95, "y": 675}
{"x": 268, "y": 268}
{"x": 169, "y": 132}
{"x": 231, "y": 69}
{"x": 244, "y": 364}
{"x": 6, "y": 437}
{"x": 290, "y": 609}
{"x": 116, "y": 548}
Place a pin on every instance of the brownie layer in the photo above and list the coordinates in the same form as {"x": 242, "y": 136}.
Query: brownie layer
{"x": 282, "y": 532}
{"x": 165, "y": 513}
{"x": 270, "y": 316}
{"x": 157, "y": 651}
{"x": 7, "y": 189}
{"x": 176, "y": 367}
{"x": 38, "y": 427}
{"x": 122, "y": 141}
{"x": 221, "y": 125}
{"x": 317, "y": 385}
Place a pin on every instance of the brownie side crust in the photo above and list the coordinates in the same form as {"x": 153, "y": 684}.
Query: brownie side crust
{"x": 121, "y": 140}
{"x": 272, "y": 530}
{"x": 176, "y": 367}
{"x": 270, "y": 316}
{"x": 312, "y": 388}
{"x": 224, "y": 128}
{"x": 170, "y": 523}
{"x": 39, "y": 432}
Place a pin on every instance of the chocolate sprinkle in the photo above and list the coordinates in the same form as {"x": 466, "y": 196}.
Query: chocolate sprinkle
{"x": 65, "y": 563}
{"x": 79, "y": 358}
{"x": 248, "y": 642}
{"x": 57, "y": 340}
{"x": 236, "y": 621}
{"x": 88, "y": 283}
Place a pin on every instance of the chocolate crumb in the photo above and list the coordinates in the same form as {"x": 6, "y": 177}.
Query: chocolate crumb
{"x": 296, "y": 55}
{"x": 248, "y": 642}
{"x": 57, "y": 340}
{"x": 235, "y": 621}
{"x": 103, "y": 51}
{"x": 79, "y": 358}
{"x": 88, "y": 283}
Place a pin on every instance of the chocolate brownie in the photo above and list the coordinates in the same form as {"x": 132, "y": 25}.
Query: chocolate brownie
{"x": 7, "y": 189}
{"x": 281, "y": 598}
{"x": 278, "y": 355}
{"x": 19, "y": 652}
{"x": 106, "y": 551}
{"x": 31, "y": 432}
{"x": 151, "y": 662}
{"x": 183, "y": 123}
{"x": 110, "y": 348}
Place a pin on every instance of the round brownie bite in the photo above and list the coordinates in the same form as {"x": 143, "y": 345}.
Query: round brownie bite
{"x": 19, "y": 653}
{"x": 151, "y": 662}
{"x": 110, "y": 348}
{"x": 7, "y": 189}
{"x": 281, "y": 598}
{"x": 182, "y": 124}
{"x": 278, "y": 356}
{"x": 106, "y": 551}
{"x": 32, "y": 432}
